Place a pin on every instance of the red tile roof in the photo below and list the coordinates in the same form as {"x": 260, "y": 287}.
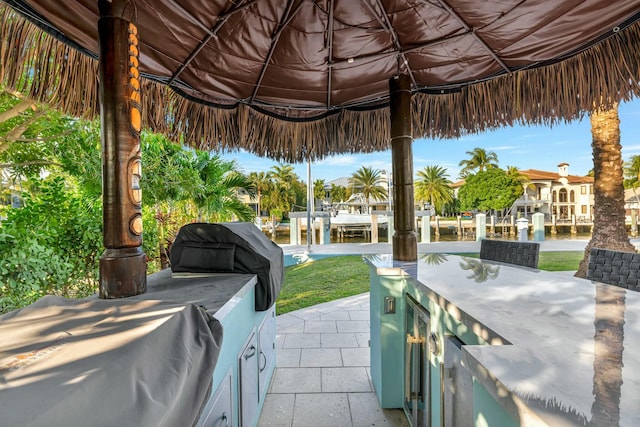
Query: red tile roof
{"x": 538, "y": 175}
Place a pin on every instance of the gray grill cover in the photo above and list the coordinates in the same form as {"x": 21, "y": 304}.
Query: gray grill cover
{"x": 105, "y": 363}
{"x": 234, "y": 247}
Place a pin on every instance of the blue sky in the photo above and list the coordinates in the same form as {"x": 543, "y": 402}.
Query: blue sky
{"x": 526, "y": 147}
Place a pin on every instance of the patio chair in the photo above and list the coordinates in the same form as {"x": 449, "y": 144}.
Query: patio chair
{"x": 519, "y": 253}
{"x": 615, "y": 268}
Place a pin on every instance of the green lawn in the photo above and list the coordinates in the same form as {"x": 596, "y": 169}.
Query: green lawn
{"x": 337, "y": 277}
{"x": 322, "y": 280}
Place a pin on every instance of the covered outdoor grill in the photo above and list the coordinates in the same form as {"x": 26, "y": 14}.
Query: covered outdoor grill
{"x": 95, "y": 362}
{"x": 231, "y": 248}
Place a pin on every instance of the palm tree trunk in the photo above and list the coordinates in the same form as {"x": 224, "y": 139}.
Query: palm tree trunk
{"x": 259, "y": 203}
{"x": 609, "y": 229}
{"x": 607, "y": 362}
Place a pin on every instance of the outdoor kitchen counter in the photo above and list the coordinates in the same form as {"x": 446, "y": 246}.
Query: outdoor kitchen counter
{"x": 566, "y": 350}
{"x": 218, "y": 293}
{"x": 153, "y": 359}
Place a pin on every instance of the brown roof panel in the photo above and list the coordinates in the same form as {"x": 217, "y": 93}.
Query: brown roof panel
{"x": 474, "y": 64}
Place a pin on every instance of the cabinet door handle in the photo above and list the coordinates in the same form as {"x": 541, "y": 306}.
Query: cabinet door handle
{"x": 253, "y": 352}
{"x": 264, "y": 357}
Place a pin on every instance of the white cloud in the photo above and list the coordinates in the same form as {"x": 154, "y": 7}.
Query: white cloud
{"x": 380, "y": 164}
{"x": 469, "y": 138}
{"x": 343, "y": 160}
{"x": 503, "y": 147}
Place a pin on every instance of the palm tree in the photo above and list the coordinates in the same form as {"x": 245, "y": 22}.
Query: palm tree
{"x": 283, "y": 195}
{"x": 217, "y": 195}
{"x": 369, "y": 183}
{"x": 632, "y": 173}
{"x": 434, "y": 186}
{"x": 608, "y": 355}
{"x": 609, "y": 229}
{"x": 338, "y": 193}
{"x": 318, "y": 190}
{"x": 514, "y": 172}
{"x": 262, "y": 183}
{"x": 480, "y": 160}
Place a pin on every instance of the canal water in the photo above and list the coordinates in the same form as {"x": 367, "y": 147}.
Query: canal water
{"x": 282, "y": 237}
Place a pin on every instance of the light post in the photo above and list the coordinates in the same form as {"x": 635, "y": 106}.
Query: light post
{"x": 309, "y": 204}
{"x": 388, "y": 175}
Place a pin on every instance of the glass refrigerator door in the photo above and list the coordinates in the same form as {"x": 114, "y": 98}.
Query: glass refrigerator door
{"x": 416, "y": 399}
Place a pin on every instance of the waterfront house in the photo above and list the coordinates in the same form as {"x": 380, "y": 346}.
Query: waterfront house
{"x": 557, "y": 193}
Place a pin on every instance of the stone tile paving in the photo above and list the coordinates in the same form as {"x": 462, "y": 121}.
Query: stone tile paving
{"x": 322, "y": 376}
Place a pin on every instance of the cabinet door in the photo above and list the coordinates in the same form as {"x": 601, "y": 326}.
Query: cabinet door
{"x": 220, "y": 413}
{"x": 267, "y": 347}
{"x": 458, "y": 386}
{"x": 248, "y": 366}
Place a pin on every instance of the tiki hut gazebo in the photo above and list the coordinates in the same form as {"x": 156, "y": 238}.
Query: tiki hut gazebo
{"x": 302, "y": 79}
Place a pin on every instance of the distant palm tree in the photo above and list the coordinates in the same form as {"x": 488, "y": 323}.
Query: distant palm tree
{"x": 283, "y": 195}
{"x": 514, "y": 172}
{"x": 369, "y": 183}
{"x": 318, "y": 190}
{"x": 262, "y": 183}
{"x": 338, "y": 193}
{"x": 480, "y": 160}
{"x": 434, "y": 186}
{"x": 609, "y": 229}
{"x": 632, "y": 173}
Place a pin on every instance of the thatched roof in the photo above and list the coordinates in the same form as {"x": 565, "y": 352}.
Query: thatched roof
{"x": 306, "y": 79}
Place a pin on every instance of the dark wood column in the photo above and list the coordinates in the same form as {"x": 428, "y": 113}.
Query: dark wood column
{"x": 405, "y": 244}
{"x": 123, "y": 264}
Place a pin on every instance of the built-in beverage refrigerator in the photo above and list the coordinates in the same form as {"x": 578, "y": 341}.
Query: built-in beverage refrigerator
{"x": 452, "y": 382}
{"x": 416, "y": 370}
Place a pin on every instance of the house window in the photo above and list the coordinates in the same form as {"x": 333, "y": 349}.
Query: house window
{"x": 572, "y": 196}
{"x": 583, "y": 209}
{"x": 583, "y": 189}
{"x": 553, "y": 196}
{"x": 563, "y": 195}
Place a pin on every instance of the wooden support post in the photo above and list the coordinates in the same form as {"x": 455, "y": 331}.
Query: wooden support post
{"x": 405, "y": 242}
{"x": 123, "y": 265}
{"x": 374, "y": 228}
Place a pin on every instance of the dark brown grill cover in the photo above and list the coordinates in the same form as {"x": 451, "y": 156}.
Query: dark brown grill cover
{"x": 237, "y": 247}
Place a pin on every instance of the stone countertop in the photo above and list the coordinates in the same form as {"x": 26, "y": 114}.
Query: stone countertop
{"x": 218, "y": 293}
{"x": 571, "y": 348}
